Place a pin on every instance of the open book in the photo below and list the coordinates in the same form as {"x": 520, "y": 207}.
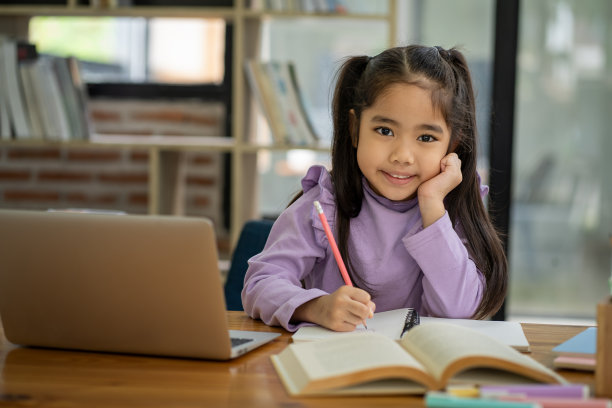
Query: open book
{"x": 428, "y": 357}
{"x": 391, "y": 324}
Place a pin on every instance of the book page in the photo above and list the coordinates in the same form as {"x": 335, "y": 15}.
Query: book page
{"x": 350, "y": 364}
{"x": 347, "y": 354}
{"x": 440, "y": 345}
{"x": 510, "y": 333}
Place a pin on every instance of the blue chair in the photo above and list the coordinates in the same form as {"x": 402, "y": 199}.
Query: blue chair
{"x": 251, "y": 242}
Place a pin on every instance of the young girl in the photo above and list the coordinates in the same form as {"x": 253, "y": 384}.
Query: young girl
{"x": 403, "y": 199}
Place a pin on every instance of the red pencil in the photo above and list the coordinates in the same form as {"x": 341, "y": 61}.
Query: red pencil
{"x": 334, "y": 247}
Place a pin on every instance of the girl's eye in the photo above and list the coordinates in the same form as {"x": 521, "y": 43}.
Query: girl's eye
{"x": 426, "y": 138}
{"x": 385, "y": 131}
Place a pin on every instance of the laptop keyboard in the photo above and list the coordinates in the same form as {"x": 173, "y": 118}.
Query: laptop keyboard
{"x": 236, "y": 341}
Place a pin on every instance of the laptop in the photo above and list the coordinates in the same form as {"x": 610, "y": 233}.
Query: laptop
{"x": 137, "y": 284}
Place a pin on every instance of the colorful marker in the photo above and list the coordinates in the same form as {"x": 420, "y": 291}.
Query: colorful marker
{"x": 441, "y": 400}
{"x": 538, "y": 390}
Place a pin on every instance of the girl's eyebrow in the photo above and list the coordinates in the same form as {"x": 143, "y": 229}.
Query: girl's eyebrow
{"x": 384, "y": 119}
{"x": 430, "y": 127}
{"x": 425, "y": 126}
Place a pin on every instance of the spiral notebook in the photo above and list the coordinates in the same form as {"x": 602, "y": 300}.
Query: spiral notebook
{"x": 394, "y": 323}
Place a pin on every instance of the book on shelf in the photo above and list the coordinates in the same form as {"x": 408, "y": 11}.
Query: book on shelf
{"x": 5, "y": 119}
{"x": 10, "y": 86}
{"x": 41, "y": 96}
{"x": 26, "y": 58}
{"x": 301, "y": 101}
{"x": 286, "y": 95}
{"x": 428, "y": 357}
{"x": 72, "y": 98}
{"x": 392, "y": 323}
{"x": 49, "y": 97}
{"x": 81, "y": 95}
{"x": 301, "y": 6}
{"x": 261, "y": 88}
{"x": 5, "y": 126}
{"x": 277, "y": 92}
{"x": 178, "y": 3}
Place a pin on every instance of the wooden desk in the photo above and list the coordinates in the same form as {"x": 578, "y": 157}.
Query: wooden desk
{"x": 53, "y": 378}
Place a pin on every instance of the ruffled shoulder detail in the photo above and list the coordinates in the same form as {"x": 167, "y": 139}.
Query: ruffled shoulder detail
{"x": 317, "y": 186}
{"x": 317, "y": 175}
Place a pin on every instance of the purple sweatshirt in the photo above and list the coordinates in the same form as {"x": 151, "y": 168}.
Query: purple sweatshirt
{"x": 403, "y": 263}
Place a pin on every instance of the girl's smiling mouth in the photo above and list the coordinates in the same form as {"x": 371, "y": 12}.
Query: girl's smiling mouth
{"x": 397, "y": 178}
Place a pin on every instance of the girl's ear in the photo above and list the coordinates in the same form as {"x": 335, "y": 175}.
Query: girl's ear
{"x": 354, "y": 128}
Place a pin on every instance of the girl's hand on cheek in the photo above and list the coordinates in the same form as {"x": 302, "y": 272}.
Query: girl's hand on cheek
{"x": 432, "y": 192}
{"x": 342, "y": 310}
{"x": 449, "y": 177}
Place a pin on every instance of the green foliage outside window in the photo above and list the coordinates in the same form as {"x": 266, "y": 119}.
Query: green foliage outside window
{"x": 90, "y": 39}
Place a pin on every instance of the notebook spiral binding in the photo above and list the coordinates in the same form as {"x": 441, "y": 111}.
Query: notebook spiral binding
{"x": 412, "y": 319}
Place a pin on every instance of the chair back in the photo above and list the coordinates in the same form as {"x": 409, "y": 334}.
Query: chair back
{"x": 252, "y": 239}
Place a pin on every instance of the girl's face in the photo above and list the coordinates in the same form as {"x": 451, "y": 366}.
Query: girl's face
{"x": 401, "y": 141}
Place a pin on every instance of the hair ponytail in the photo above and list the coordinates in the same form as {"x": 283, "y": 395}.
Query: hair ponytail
{"x": 345, "y": 174}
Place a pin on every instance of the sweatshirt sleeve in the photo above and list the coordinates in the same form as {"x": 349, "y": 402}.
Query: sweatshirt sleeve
{"x": 272, "y": 287}
{"x": 452, "y": 285}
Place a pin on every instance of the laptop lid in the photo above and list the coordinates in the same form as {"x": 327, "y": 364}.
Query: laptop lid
{"x": 115, "y": 283}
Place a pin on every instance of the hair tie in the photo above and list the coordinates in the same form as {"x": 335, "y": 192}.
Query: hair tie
{"x": 442, "y": 52}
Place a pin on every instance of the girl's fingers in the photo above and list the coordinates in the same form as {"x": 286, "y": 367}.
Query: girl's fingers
{"x": 372, "y": 307}
{"x": 361, "y": 305}
{"x": 356, "y": 294}
{"x": 451, "y": 160}
{"x": 351, "y": 306}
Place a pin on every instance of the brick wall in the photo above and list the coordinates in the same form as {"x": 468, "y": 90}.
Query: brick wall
{"x": 41, "y": 177}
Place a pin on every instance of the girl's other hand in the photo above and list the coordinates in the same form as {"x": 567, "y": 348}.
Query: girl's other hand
{"x": 432, "y": 192}
{"x": 440, "y": 185}
{"x": 342, "y": 310}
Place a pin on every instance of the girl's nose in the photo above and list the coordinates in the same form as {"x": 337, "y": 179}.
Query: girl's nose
{"x": 402, "y": 153}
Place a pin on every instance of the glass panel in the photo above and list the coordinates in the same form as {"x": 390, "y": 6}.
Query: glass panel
{"x": 561, "y": 216}
{"x": 186, "y": 50}
{"x": 160, "y": 50}
{"x": 469, "y": 26}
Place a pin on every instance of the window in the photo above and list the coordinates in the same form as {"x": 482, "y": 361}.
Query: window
{"x": 137, "y": 50}
{"x": 561, "y": 216}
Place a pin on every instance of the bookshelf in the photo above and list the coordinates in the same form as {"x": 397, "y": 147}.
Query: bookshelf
{"x": 165, "y": 152}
